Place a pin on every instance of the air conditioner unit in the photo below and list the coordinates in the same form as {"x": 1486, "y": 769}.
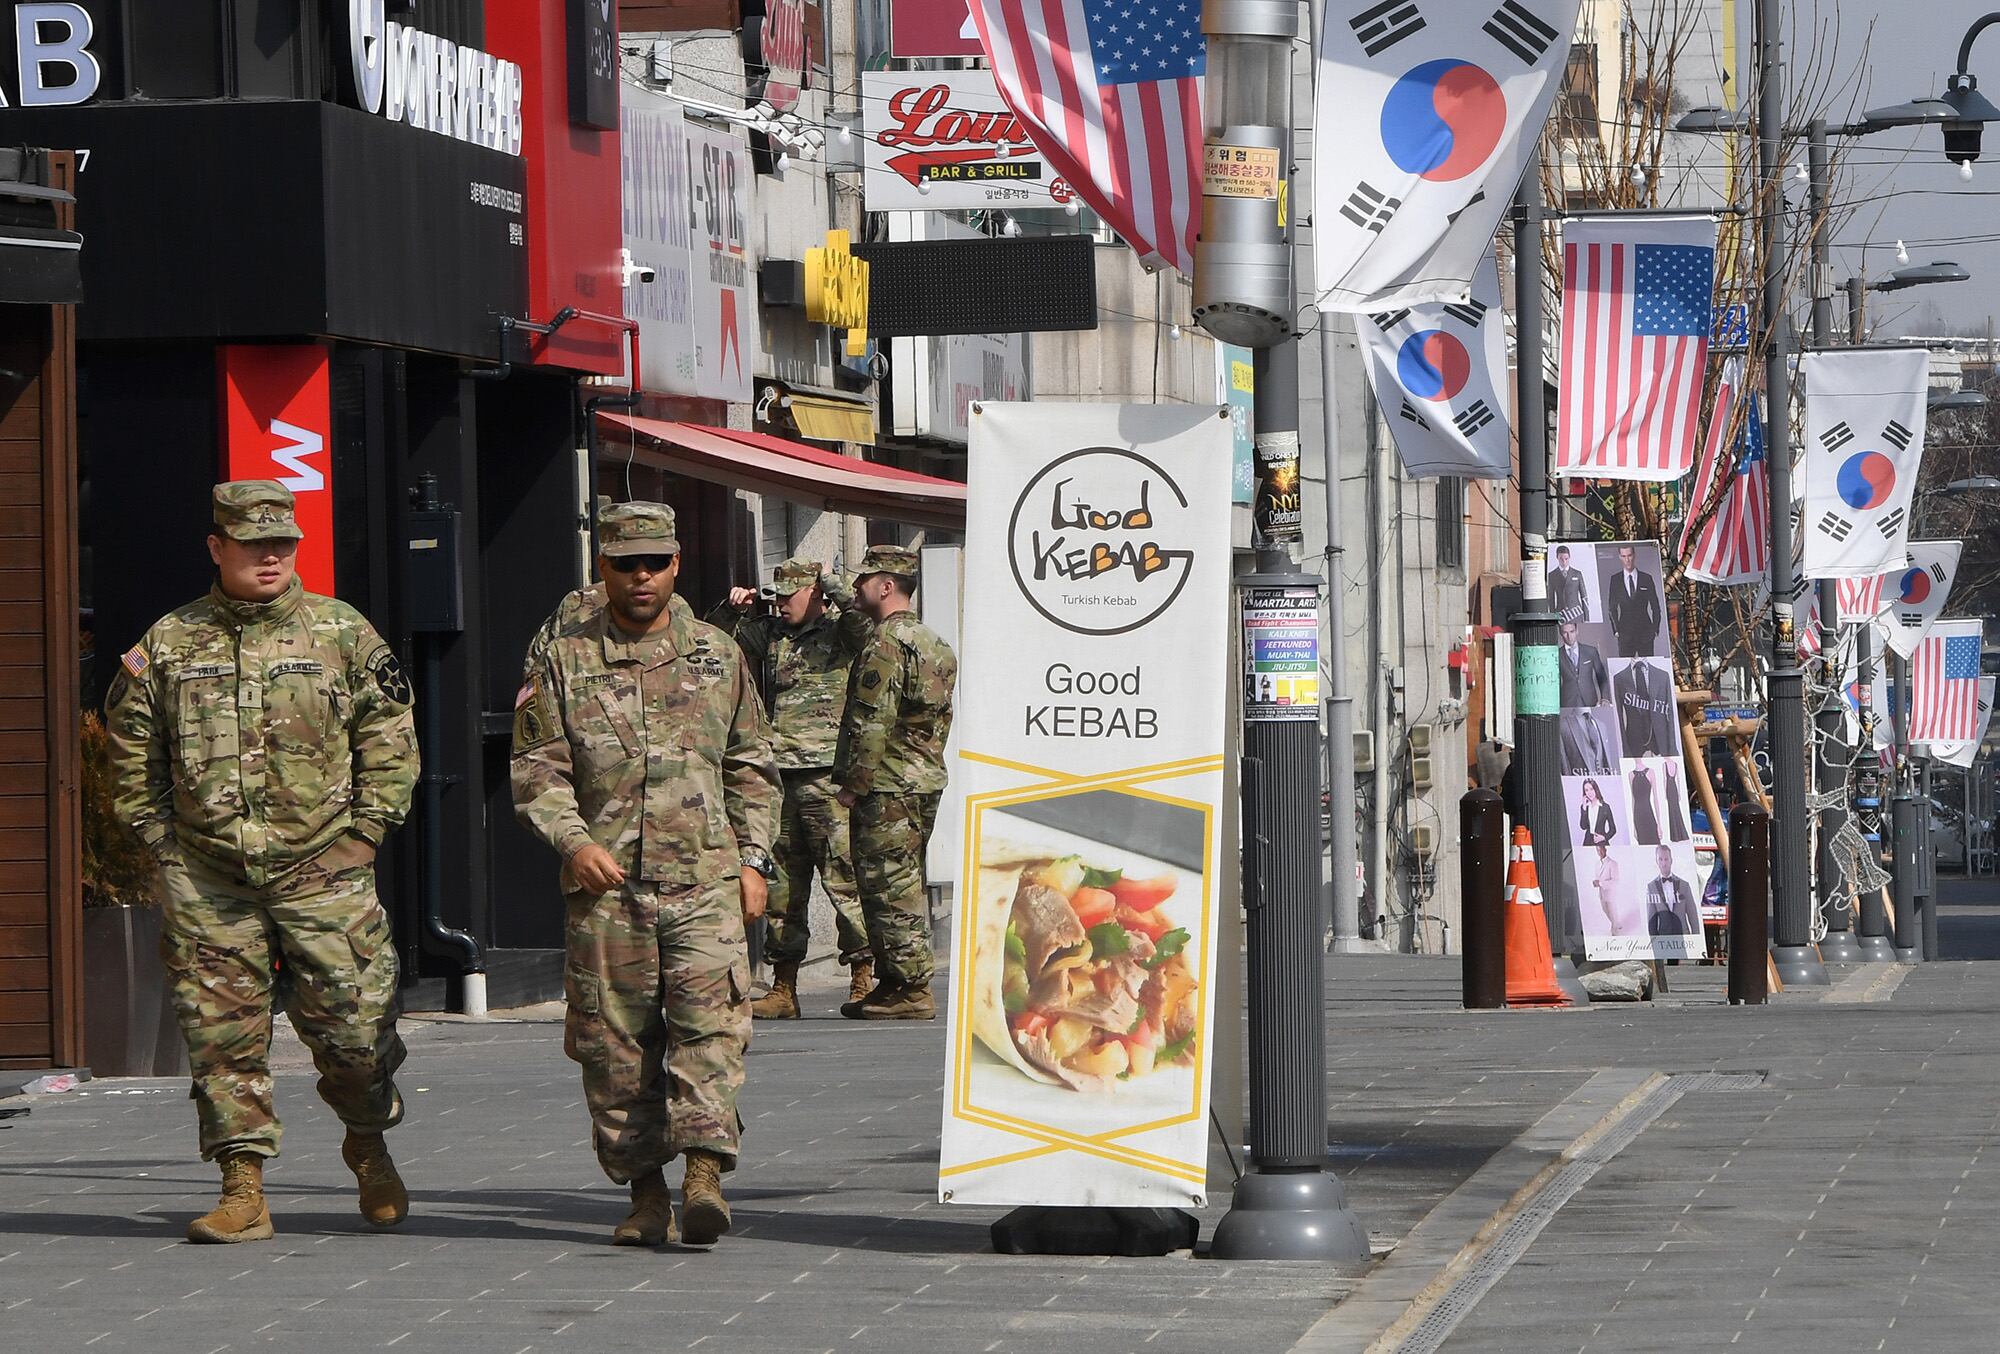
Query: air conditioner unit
{"x": 1364, "y": 750}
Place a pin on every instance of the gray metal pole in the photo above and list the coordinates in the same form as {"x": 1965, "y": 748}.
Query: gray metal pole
{"x": 1906, "y": 860}
{"x": 1791, "y": 947}
{"x": 1927, "y": 858}
{"x": 1537, "y": 694}
{"x": 1345, "y": 921}
{"x": 1288, "y": 1206}
{"x": 1837, "y": 912}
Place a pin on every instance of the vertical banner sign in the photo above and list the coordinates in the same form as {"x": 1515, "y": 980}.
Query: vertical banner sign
{"x": 1278, "y": 506}
{"x": 277, "y": 424}
{"x": 593, "y": 64}
{"x": 659, "y": 234}
{"x": 1281, "y": 653}
{"x": 725, "y": 315}
{"x": 1097, "y": 575}
{"x": 1624, "y": 796}
{"x": 1865, "y": 422}
{"x": 1236, "y": 385}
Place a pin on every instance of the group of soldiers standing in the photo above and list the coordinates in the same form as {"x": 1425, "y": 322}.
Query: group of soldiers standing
{"x": 264, "y": 744}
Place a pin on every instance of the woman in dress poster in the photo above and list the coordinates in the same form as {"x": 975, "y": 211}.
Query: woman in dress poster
{"x": 1594, "y": 818}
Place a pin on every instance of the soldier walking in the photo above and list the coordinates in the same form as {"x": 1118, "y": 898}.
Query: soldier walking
{"x": 890, "y": 768}
{"x": 642, "y": 755}
{"x": 262, "y": 748}
{"x": 801, "y": 649}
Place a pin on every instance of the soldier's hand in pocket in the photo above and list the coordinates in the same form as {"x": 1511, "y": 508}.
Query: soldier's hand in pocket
{"x": 595, "y": 871}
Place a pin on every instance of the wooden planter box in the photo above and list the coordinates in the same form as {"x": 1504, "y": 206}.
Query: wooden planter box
{"x": 129, "y": 1024}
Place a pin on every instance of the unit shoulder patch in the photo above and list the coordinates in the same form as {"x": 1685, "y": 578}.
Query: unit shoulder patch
{"x": 388, "y": 675}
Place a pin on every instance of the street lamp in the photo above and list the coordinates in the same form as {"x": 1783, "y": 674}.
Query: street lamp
{"x": 1957, "y": 400}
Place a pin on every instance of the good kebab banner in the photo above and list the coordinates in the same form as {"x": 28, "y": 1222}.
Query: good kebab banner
{"x": 1097, "y": 566}
{"x": 1624, "y": 797}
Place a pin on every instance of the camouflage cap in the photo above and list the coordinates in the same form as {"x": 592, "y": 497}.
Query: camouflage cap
{"x": 794, "y": 574}
{"x": 637, "y": 529}
{"x": 899, "y": 560}
{"x": 255, "y": 510}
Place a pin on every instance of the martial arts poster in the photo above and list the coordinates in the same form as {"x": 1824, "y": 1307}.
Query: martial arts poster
{"x": 1092, "y": 737}
{"x": 1625, "y": 798}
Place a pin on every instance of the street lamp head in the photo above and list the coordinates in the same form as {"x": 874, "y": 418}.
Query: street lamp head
{"x": 1711, "y": 119}
{"x": 1971, "y": 111}
{"x": 1958, "y": 399}
{"x": 1923, "y": 274}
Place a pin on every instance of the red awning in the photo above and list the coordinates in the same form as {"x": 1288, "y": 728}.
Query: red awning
{"x": 795, "y": 472}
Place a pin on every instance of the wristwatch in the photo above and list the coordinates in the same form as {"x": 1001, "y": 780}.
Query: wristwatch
{"x": 758, "y": 859}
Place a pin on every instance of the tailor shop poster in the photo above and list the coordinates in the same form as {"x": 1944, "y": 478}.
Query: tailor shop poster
{"x": 1091, "y": 724}
{"x": 1625, "y": 793}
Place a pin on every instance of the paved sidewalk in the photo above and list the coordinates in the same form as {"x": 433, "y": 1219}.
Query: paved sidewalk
{"x": 1845, "y": 1204}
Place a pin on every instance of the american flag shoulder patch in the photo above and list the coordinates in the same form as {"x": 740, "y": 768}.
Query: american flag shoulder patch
{"x": 136, "y": 662}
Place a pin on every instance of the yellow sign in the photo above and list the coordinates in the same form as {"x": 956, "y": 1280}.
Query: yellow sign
{"x": 1239, "y": 171}
{"x": 837, "y": 291}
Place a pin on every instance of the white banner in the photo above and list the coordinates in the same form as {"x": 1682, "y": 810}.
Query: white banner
{"x": 659, "y": 234}
{"x": 1439, "y": 371}
{"x": 1864, "y": 441}
{"x": 1913, "y": 599}
{"x": 1097, "y": 595}
{"x": 725, "y": 268}
{"x": 1426, "y": 113}
{"x": 946, "y": 141}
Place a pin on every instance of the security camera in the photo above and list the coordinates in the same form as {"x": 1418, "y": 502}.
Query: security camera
{"x": 634, "y": 271}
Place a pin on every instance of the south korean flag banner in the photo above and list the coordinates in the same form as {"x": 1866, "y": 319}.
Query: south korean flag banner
{"x": 1913, "y": 599}
{"x": 1438, "y": 373}
{"x": 1427, "y": 111}
{"x": 1864, "y": 440}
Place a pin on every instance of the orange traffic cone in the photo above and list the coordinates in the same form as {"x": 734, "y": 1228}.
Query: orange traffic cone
{"x": 1531, "y": 970}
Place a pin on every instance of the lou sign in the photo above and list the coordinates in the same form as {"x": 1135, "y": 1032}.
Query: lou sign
{"x": 278, "y": 425}
{"x": 945, "y": 141}
{"x": 1096, "y": 574}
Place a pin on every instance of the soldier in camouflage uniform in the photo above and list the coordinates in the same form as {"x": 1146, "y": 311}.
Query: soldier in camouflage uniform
{"x": 890, "y": 767}
{"x": 642, "y": 755}
{"x": 262, "y": 747}
{"x": 801, "y": 652}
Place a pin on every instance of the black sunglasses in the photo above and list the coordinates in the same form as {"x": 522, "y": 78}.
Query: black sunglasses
{"x": 632, "y": 564}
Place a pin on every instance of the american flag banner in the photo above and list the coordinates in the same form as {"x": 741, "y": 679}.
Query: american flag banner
{"x": 1864, "y": 440}
{"x": 1110, "y": 92}
{"x": 1965, "y": 753}
{"x": 1860, "y": 599}
{"x": 1734, "y": 545}
{"x": 1638, "y": 298}
{"x": 1944, "y": 683}
{"x": 1425, "y": 115}
{"x": 1913, "y": 597}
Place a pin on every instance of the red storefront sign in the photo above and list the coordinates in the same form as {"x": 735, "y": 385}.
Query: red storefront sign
{"x": 277, "y": 424}
{"x": 932, "y": 28}
{"x": 775, "y": 44}
{"x": 574, "y": 233}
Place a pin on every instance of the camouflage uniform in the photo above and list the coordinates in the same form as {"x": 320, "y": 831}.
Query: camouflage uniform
{"x": 802, "y": 671}
{"x": 656, "y": 749}
{"x": 249, "y": 740}
{"x": 891, "y": 756}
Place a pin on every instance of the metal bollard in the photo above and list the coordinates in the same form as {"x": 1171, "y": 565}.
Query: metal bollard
{"x": 1482, "y": 846}
{"x": 1749, "y": 905}
{"x": 1905, "y": 862}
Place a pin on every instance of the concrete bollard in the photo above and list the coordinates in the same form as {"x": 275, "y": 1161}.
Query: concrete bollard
{"x": 1482, "y": 844}
{"x": 1749, "y": 905}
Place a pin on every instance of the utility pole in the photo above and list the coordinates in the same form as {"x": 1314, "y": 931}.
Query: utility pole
{"x": 1537, "y": 684}
{"x": 1840, "y": 946}
{"x": 1289, "y": 1205}
{"x": 1791, "y": 940}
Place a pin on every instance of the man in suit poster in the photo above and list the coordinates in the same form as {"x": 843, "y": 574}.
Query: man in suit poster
{"x": 1585, "y": 680}
{"x": 1632, "y": 605}
{"x": 1585, "y": 749}
{"x": 1647, "y": 724}
{"x": 1568, "y": 593}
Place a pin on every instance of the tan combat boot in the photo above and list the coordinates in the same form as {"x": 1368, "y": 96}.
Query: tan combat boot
{"x": 652, "y": 1218}
{"x": 782, "y": 1001}
{"x": 860, "y": 979}
{"x": 241, "y": 1215}
{"x": 384, "y": 1201}
{"x": 704, "y": 1212}
{"x": 894, "y": 1001}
